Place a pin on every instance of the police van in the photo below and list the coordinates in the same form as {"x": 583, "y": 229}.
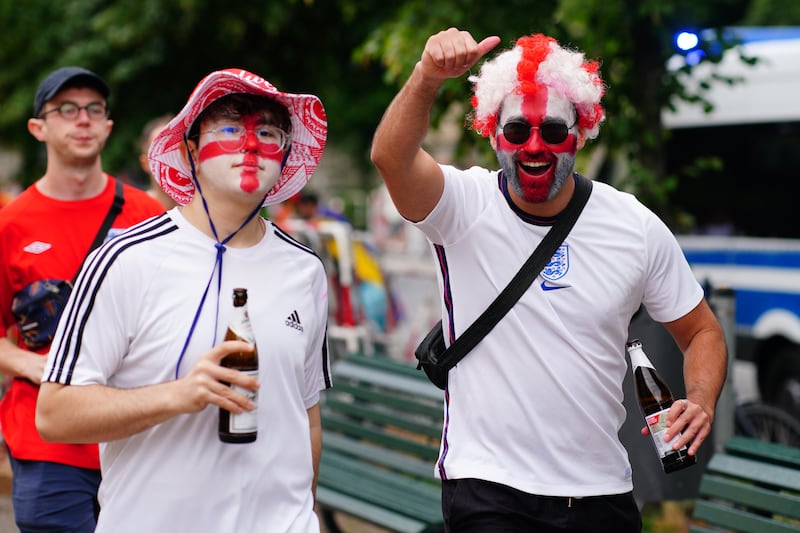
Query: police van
{"x": 745, "y": 198}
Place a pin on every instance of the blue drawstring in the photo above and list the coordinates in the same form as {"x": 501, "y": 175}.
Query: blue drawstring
{"x": 220, "y": 246}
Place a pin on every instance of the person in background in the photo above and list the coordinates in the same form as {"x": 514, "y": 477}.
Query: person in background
{"x": 374, "y": 300}
{"x": 45, "y": 234}
{"x": 149, "y": 132}
{"x": 136, "y": 365}
{"x": 530, "y": 441}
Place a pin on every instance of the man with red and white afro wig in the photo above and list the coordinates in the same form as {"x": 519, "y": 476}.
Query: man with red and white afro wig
{"x": 534, "y": 62}
{"x": 533, "y": 412}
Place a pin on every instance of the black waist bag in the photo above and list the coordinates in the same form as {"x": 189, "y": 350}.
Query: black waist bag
{"x": 428, "y": 355}
{"x": 37, "y": 308}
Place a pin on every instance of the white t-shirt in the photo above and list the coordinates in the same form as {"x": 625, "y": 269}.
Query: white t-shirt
{"x": 125, "y": 325}
{"x": 537, "y": 405}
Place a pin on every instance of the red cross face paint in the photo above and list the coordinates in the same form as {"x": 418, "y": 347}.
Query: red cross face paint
{"x": 536, "y": 143}
{"x": 252, "y": 150}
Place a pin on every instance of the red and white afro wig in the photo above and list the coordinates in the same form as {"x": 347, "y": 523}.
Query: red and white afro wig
{"x": 534, "y": 62}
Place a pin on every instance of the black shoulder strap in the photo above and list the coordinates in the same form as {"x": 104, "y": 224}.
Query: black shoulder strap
{"x": 522, "y": 280}
{"x": 114, "y": 210}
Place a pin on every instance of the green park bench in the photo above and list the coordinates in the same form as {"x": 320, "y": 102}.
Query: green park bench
{"x": 752, "y": 486}
{"x": 381, "y": 424}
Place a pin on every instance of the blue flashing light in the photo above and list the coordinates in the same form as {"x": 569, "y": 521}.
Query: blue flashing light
{"x": 686, "y": 40}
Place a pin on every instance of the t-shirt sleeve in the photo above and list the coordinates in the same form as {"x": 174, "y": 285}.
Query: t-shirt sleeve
{"x": 317, "y": 359}
{"x": 90, "y": 340}
{"x": 464, "y": 198}
{"x": 672, "y": 290}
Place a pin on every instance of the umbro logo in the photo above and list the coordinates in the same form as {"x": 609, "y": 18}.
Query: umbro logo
{"x": 37, "y": 247}
{"x": 293, "y": 321}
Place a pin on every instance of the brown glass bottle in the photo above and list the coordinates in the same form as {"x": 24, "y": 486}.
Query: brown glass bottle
{"x": 243, "y": 427}
{"x": 655, "y": 400}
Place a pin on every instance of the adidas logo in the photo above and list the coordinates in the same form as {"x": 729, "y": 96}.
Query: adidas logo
{"x": 293, "y": 321}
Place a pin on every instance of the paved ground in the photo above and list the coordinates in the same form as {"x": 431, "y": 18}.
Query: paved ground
{"x": 6, "y": 512}
{"x": 7, "y": 515}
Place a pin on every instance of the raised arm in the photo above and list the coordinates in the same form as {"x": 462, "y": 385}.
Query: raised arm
{"x": 98, "y": 413}
{"x": 702, "y": 341}
{"x": 412, "y": 176}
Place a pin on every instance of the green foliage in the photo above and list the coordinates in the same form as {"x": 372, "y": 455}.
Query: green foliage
{"x": 153, "y": 52}
{"x": 773, "y": 13}
{"x": 354, "y": 54}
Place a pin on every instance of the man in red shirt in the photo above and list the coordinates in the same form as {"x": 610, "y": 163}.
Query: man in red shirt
{"x": 45, "y": 234}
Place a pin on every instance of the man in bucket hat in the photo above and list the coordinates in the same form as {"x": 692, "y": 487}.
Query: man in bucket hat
{"x": 142, "y": 337}
{"x": 45, "y": 234}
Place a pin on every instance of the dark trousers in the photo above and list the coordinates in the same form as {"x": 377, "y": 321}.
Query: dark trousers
{"x": 474, "y": 505}
{"x": 54, "y": 498}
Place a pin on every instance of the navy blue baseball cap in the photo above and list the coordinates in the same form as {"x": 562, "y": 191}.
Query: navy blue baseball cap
{"x": 65, "y": 78}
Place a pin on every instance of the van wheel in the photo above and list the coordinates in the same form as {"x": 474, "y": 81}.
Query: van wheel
{"x": 780, "y": 380}
{"x": 767, "y": 423}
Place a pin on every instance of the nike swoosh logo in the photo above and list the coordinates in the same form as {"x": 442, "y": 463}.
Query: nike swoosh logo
{"x": 546, "y": 287}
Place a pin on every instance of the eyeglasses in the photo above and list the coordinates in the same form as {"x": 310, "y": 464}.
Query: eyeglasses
{"x": 232, "y": 138}
{"x": 71, "y": 110}
{"x": 551, "y": 132}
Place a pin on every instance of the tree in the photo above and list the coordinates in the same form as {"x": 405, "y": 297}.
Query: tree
{"x": 153, "y": 52}
{"x": 353, "y": 53}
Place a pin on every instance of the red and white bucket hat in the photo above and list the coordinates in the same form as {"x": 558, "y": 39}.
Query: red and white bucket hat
{"x": 167, "y": 153}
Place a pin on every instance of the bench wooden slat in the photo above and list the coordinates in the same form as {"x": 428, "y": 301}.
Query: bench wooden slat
{"x": 367, "y": 413}
{"x": 395, "y": 367}
{"x": 769, "y": 452}
{"x": 755, "y": 471}
{"x": 751, "y": 496}
{"x": 378, "y": 454}
{"x": 375, "y": 492}
{"x": 386, "y": 377}
{"x": 371, "y": 513}
{"x": 396, "y": 401}
{"x": 739, "y": 520}
{"x": 380, "y": 436}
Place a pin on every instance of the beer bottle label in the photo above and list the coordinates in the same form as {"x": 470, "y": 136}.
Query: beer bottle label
{"x": 240, "y": 325}
{"x": 247, "y": 421}
{"x": 657, "y": 424}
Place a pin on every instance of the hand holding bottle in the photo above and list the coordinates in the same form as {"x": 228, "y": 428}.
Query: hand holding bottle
{"x": 205, "y": 384}
{"x": 678, "y": 411}
{"x": 664, "y": 415}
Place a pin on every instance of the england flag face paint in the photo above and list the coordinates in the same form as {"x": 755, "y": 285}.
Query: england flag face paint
{"x": 536, "y": 143}
{"x": 249, "y": 150}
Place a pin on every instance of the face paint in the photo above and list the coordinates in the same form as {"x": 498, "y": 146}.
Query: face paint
{"x": 535, "y": 169}
{"x": 248, "y": 155}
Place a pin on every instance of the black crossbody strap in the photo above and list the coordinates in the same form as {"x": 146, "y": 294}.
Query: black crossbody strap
{"x": 113, "y": 211}
{"x": 521, "y": 280}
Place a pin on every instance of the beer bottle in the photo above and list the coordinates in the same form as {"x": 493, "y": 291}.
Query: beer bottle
{"x": 655, "y": 400}
{"x": 243, "y": 427}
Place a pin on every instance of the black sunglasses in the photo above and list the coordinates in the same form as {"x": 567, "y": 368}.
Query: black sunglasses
{"x": 551, "y": 132}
